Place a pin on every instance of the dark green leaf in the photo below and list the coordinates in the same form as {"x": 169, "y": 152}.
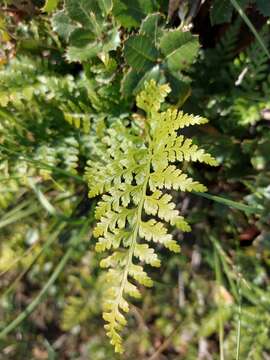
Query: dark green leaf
{"x": 151, "y": 26}
{"x": 62, "y": 24}
{"x": 81, "y": 37}
{"x": 180, "y": 89}
{"x": 153, "y": 73}
{"x": 140, "y": 52}
{"x": 130, "y": 13}
{"x": 179, "y": 48}
{"x": 86, "y": 12}
{"x": 129, "y": 82}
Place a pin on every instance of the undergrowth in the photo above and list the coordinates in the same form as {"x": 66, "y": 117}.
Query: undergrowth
{"x": 108, "y": 184}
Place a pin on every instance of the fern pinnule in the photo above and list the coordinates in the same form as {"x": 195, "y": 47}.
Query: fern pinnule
{"x": 131, "y": 173}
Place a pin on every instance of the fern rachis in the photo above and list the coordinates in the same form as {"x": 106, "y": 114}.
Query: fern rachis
{"x": 136, "y": 166}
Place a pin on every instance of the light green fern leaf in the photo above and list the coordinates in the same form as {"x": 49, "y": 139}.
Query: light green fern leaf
{"x": 134, "y": 212}
{"x": 77, "y": 116}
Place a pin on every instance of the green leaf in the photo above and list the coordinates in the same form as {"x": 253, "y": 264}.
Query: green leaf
{"x": 81, "y": 37}
{"x": 112, "y": 41}
{"x": 130, "y": 13}
{"x": 62, "y": 24}
{"x": 105, "y": 6}
{"x": 140, "y": 53}
{"x": 85, "y": 12}
{"x": 181, "y": 89}
{"x": 129, "y": 82}
{"x": 93, "y": 35}
{"x": 154, "y": 73}
{"x": 84, "y": 53}
{"x": 50, "y": 5}
{"x": 179, "y": 48}
{"x": 151, "y": 26}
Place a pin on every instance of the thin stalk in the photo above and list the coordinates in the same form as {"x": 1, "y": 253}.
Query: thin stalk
{"x": 251, "y": 27}
{"x": 230, "y": 203}
{"x": 239, "y": 322}
{"x": 221, "y": 329}
{"x": 239, "y": 300}
{"x": 19, "y": 216}
{"x": 17, "y": 208}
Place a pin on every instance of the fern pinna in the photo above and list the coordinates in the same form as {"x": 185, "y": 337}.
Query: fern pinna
{"x": 135, "y": 165}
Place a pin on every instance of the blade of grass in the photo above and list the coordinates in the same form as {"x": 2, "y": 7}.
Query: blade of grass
{"x": 219, "y": 283}
{"x": 21, "y": 215}
{"x": 32, "y": 306}
{"x": 223, "y": 260}
{"x": 239, "y": 301}
{"x": 230, "y": 203}
{"x": 42, "y": 198}
{"x": 239, "y": 321}
{"x": 251, "y": 27}
{"x": 46, "y": 204}
{"x": 17, "y": 208}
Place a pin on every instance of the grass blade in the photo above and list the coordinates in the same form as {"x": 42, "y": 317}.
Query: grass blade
{"x": 230, "y": 203}
{"x": 251, "y": 27}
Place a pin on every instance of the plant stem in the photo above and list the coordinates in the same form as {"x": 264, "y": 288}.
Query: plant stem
{"x": 251, "y": 27}
{"x": 218, "y": 281}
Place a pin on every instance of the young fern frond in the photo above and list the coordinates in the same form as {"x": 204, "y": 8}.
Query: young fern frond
{"x": 137, "y": 166}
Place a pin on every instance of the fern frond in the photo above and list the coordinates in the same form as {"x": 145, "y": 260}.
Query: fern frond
{"x": 132, "y": 172}
{"x": 77, "y": 115}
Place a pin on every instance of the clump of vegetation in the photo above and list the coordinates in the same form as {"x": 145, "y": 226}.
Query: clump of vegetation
{"x": 109, "y": 186}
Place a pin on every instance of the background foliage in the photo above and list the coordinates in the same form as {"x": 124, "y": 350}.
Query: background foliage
{"x": 70, "y": 72}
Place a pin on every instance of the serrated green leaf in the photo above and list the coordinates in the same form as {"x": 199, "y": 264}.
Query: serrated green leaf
{"x": 85, "y": 12}
{"x": 62, "y": 24}
{"x": 130, "y": 13}
{"x": 140, "y": 53}
{"x": 179, "y": 48}
{"x": 151, "y": 27}
{"x": 83, "y": 54}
